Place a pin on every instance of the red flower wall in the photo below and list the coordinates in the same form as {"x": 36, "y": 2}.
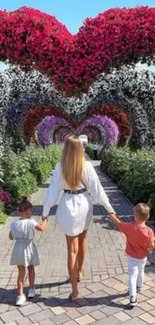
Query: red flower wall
{"x": 37, "y": 40}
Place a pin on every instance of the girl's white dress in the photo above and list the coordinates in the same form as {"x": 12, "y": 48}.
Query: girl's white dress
{"x": 74, "y": 212}
{"x": 24, "y": 251}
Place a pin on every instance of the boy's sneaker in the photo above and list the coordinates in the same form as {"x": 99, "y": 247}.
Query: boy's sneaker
{"x": 139, "y": 289}
{"x": 31, "y": 293}
{"x": 20, "y": 300}
{"x": 133, "y": 301}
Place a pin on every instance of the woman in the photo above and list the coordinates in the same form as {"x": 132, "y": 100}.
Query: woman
{"x": 76, "y": 178}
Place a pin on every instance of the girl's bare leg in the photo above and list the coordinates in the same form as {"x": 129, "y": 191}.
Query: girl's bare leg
{"x": 31, "y": 272}
{"x": 20, "y": 280}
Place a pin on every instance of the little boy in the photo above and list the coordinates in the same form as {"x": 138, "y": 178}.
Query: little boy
{"x": 139, "y": 243}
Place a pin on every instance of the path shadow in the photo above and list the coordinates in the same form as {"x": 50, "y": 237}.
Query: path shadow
{"x": 106, "y": 300}
{"x": 113, "y": 301}
{"x": 43, "y": 186}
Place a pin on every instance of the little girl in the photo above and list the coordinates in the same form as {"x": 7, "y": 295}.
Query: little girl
{"x": 24, "y": 253}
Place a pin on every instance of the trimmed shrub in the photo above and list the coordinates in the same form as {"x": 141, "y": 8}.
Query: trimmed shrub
{"x": 23, "y": 171}
{"x": 134, "y": 172}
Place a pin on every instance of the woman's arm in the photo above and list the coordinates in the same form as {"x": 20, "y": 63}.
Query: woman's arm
{"x": 114, "y": 219}
{"x": 53, "y": 191}
{"x": 96, "y": 190}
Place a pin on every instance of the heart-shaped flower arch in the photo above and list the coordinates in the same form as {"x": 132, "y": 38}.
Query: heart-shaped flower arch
{"x": 61, "y": 133}
{"x": 116, "y": 37}
{"x": 29, "y": 89}
{"x": 46, "y": 129}
{"x": 94, "y": 133}
{"x": 21, "y": 90}
{"x": 108, "y": 128}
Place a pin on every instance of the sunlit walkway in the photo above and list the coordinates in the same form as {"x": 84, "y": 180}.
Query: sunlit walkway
{"x": 103, "y": 290}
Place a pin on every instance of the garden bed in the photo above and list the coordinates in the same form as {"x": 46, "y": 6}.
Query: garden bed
{"x": 133, "y": 172}
{"x": 23, "y": 172}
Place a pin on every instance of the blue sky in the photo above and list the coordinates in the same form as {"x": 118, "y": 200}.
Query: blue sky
{"x": 73, "y": 12}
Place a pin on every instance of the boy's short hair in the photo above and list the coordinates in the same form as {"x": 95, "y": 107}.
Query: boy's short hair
{"x": 142, "y": 210}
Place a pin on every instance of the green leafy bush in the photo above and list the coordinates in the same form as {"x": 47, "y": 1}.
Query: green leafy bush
{"x": 116, "y": 161}
{"x": 22, "y": 186}
{"x": 42, "y": 161}
{"x": 138, "y": 182}
{"x": 134, "y": 172}
{"x": 23, "y": 171}
{"x": 3, "y": 216}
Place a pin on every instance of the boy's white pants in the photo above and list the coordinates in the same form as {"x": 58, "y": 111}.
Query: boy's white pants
{"x": 136, "y": 274}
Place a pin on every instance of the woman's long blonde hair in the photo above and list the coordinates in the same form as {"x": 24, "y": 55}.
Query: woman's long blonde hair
{"x": 72, "y": 161}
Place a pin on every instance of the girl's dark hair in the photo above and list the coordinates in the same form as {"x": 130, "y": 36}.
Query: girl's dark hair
{"x": 25, "y": 204}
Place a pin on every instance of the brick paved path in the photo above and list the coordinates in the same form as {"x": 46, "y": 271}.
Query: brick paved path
{"x": 103, "y": 290}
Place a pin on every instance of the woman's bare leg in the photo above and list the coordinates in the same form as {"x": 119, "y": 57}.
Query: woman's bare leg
{"x": 20, "y": 280}
{"x": 72, "y": 245}
{"x": 81, "y": 253}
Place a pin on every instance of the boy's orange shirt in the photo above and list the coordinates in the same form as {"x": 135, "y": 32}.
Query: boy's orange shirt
{"x": 138, "y": 238}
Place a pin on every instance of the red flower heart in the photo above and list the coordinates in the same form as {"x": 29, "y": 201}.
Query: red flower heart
{"x": 116, "y": 37}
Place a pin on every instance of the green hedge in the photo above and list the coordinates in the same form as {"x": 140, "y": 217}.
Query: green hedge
{"x": 3, "y": 216}
{"x": 24, "y": 171}
{"x": 134, "y": 172}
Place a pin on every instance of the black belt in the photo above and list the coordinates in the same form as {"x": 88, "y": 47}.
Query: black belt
{"x": 76, "y": 192}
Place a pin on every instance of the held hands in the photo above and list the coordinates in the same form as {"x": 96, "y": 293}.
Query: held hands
{"x": 44, "y": 218}
{"x": 114, "y": 219}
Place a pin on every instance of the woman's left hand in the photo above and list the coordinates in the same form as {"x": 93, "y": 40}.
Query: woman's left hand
{"x": 44, "y": 218}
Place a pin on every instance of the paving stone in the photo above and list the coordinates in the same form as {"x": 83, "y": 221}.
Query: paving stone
{"x": 89, "y": 308}
{"x": 109, "y": 310}
{"x": 73, "y": 314}
{"x": 135, "y": 312}
{"x": 30, "y": 309}
{"x": 60, "y": 319}
{"x": 111, "y": 282}
{"x": 147, "y": 318}
{"x": 71, "y": 322}
{"x": 107, "y": 321}
{"x": 43, "y": 315}
{"x": 84, "y": 320}
{"x": 121, "y": 287}
{"x": 95, "y": 287}
{"x": 12, "y": 323}
{"x": 134, "y": 321}
{"x": 11, "y": 316}
{"x": 58, "y": 310}
{"x": 97, "y": 314}
{"x": 46, "y": 322}
{"x": 152, "y": 302}
{"x": 4, "y": 308}
{"x": 123, "y": 317}
{"x": 23, "y": 321}
{"x": 149, "y": 294}
{"x": 152, "y": 312}
{"x": 146, "y": 306}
